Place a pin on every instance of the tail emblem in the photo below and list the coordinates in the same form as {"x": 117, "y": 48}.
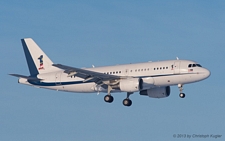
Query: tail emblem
{"x": 41, "y": 62}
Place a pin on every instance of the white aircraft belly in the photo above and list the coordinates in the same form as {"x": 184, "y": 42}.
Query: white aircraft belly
{"x": 173, "y": 80}
{"x": 80, "y": 88}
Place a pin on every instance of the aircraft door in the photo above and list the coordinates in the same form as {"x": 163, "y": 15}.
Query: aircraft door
{"x": 176, "y": 67}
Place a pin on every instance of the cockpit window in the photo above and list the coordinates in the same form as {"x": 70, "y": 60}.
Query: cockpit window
{"x": 194, "y": 65}
{"x": 189, "y": 65}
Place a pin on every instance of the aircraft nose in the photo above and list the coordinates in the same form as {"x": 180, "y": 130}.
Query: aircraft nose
{"x": 207, "y": 73}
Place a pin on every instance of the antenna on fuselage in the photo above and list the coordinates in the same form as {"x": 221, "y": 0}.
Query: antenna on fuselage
{"x": 177, "y": 58}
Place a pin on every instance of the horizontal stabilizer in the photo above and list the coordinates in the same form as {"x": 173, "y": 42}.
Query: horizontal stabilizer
{"x": 26, "y": 77}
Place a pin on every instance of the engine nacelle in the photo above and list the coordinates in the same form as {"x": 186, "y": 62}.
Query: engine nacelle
{"x": 130, "y": 84}
{"x": 159, "y": 92}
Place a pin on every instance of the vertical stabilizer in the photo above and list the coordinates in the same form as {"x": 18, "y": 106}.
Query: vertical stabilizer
{"x": 37, "y": 61}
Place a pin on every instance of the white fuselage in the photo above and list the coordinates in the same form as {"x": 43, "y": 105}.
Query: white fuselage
{"x": 154, "y": 74}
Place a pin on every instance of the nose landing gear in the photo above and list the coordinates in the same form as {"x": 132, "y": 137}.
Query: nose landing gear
{"x": 182, "y": 95}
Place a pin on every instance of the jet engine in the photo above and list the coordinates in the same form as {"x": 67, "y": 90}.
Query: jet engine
{"x": 158, "y": 92}
{"x": 131, "y": 84}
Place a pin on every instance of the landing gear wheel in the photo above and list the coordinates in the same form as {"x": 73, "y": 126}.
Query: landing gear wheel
{"x": 127, "y": 102}
{"x": 108, "y": 98}
{"x": 182, "y": 95}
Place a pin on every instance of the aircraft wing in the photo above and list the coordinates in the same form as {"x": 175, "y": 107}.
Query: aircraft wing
{"x": 87, "y": 75}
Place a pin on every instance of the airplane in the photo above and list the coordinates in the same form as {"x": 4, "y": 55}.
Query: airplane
{"x": 151, "y": 79}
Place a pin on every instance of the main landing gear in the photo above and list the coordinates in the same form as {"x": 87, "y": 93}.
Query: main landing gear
{"x": 182, "y": 95}
{"x": 126, "y": 102}
{"x": 108, "y": 98}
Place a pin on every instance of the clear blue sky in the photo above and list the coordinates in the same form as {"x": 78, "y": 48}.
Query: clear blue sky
{"x": 82, "y": 33}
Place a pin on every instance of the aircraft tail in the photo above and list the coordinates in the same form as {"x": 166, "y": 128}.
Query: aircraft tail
{"x": 37, "y": 61}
